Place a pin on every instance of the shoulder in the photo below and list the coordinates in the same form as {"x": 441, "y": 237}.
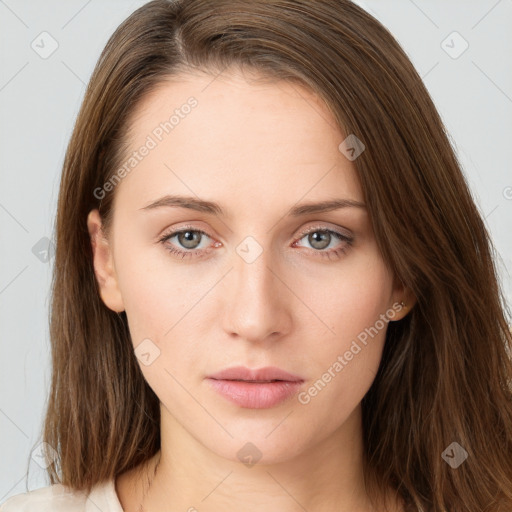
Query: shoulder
{"x": 60, "y": 498}
{"x": 55, "y": 497}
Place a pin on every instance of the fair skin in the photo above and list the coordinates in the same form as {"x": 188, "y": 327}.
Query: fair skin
{"x": 256, "y": 149}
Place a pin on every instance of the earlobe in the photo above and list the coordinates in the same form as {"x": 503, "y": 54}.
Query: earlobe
{"x": 403, "y": 303}
{"x": 103, "y": 264}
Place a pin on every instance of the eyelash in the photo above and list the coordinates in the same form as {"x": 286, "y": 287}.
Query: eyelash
{"x": 337, "y": 253}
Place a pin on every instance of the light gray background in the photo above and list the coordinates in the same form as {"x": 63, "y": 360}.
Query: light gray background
{"x": 39, "y": 100}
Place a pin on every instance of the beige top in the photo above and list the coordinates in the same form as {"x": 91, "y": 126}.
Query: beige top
{"x": 58, "y": 498}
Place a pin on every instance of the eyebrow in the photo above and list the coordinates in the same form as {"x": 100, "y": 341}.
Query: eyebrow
{"x": 213, "y": 208}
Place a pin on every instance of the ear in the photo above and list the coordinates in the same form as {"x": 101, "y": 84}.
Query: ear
{"x": 104, "y": 264}
{"x": 401, "y": 294}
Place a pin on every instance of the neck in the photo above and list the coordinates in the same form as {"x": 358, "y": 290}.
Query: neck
{"x": 185, "y": 475}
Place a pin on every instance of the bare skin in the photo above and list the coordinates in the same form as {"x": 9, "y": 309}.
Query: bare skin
{"x": 257, "y": 149}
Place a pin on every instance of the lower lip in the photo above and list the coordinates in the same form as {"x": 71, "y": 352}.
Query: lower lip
{"x": 255, "y": 395}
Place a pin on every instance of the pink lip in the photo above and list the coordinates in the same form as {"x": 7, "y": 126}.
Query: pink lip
{"x": 251, "y": 389}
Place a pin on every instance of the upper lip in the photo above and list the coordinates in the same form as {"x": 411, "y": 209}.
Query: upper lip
{"x": 258, "y": 375}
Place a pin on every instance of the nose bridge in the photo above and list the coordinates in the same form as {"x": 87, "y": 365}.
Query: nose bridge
{"x": 255, "y": 308}
{"x": 253, "y": 266}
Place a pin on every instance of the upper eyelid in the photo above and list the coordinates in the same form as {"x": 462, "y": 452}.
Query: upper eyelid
{"x": 322, "y": 227}
{"x": 318, "y": 227}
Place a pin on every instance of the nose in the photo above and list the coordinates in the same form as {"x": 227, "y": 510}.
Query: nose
{"x": 257, "y": 306}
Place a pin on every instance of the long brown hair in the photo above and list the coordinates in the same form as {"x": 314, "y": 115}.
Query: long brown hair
{"x": 446, "y": 369}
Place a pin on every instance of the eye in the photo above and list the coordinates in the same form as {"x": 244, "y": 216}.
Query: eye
{"x": 187, "y": 238}
{"x": 321, "y": 238}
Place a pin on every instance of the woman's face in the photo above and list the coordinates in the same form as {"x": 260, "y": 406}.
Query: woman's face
{"x": 248, "y": 283}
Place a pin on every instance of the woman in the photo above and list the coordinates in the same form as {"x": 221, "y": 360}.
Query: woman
{"x": 272, "y": 286}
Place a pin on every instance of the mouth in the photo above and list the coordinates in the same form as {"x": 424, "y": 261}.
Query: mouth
{"x": 255, "y": 389}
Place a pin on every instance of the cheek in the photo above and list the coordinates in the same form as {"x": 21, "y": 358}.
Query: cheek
{"x": 350, "y": 296}
{"x": 347, "y": 349}
{"x": 154, "y": 291}
{"x": 146, "y": 304}
{"x": 163, "y": 304}
{"x": 161, "y": 324}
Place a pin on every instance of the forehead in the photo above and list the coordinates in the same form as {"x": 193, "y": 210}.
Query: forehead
{"x": 212, "y": 135}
